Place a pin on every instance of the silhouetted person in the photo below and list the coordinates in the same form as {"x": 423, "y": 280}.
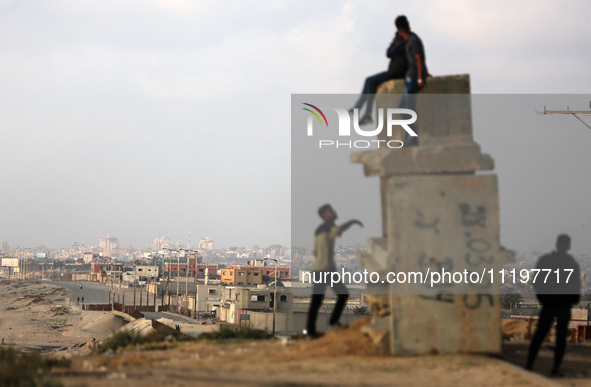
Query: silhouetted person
{"x": 78, "y": 300}
{"x": 324, "y": 242}
{"x": 417, "y": 73}
{"x": 557, "y": 299}
{"x": 396, "y": 70}
{"x": 83, "y": 299}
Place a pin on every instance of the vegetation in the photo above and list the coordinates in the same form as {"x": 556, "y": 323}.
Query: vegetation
{"x": 125, "y": 339}
{"x": 24, "y": 369}
{"x": 243, "y": 333}
{"x": 361, "y": 310}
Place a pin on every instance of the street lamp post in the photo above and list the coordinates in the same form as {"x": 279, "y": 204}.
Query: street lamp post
{"x": 134, "y": 274}
{"x": 188, "y": 260}
{"x": 169, "y": 270}
{"x": 274, "y": 293}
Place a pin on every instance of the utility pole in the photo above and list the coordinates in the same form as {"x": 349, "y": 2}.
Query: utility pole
{"x": 161, "y": 274}
{"x": 195, "y": 279}
{"x": 134, "y": 273}
{"x": 169, "y": 270}
{"x": 571, "y": 112}
{"x": 188, "y": 256}
{"x": 178, "y": 273}
{"x": 188, "y": 260}
{"x": 148, "y": 290}
{"x": 275, "y": 293}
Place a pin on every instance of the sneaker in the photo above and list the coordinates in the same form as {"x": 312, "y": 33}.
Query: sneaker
{"x": 365, "y": 121}
{"x": 315, "y": 335}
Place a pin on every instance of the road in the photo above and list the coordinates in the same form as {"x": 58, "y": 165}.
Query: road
{"x": 93, "y": 292}
{"x": 96, "y": 293}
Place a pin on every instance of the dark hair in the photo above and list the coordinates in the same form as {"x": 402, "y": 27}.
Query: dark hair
{"x": 563, "y": 242}
{"x": 323, "y": 209}
{"x": 401, "y": 22}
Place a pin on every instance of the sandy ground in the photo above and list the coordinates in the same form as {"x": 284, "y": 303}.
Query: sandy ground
{"x": 34, "y": 315}
{"x": 339, "y": 359}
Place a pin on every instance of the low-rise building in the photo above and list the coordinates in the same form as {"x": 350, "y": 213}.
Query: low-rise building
{"x": 253, "y": 307}
{"x": 10, "y": 267}
{"x": 107, "y": 269}
{"x": 89, "y": 257}
{"x": 283, "y": 273}
{"x": 209, "y": 297}
{"x": 238, "y": 301}
{"x": 145, "y": 271}
{"x": 241, "y": 275}
{"x": 195, "y": 267}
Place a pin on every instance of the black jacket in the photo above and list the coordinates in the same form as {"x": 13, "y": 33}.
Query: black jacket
{"x": 398, "y": 59}
{"x": 552, "y": 290}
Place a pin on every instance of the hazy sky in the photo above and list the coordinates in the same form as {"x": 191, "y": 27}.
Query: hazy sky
{"x": 143, "y": 118}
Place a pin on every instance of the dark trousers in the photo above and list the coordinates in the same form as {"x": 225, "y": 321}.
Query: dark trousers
{"x": 318, "y": 295}
{"x": 544, "y": 325}
{"x": 409, "y": 101}
{"x": 370, "y": 87}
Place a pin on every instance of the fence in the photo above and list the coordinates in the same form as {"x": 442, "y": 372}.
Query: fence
{"x": 145, "y": 308}
{"x": 175, "y": 309}
{"x": 97, "y": 307}
{"x": 128, "y": 310}
{"x": 132, "y": 312}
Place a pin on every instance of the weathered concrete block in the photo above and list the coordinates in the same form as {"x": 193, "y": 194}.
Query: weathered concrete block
{"x": 442, "y": 222}
{"x": 456, "y": 158}
{"x": 450, "y": 221}
{"x": 449, "y": 324}
{"x": 445, "y": 84}
{"x": 437, "y": 215}
{"x": 444, "y": 113}
{"x": 378, "y": 259}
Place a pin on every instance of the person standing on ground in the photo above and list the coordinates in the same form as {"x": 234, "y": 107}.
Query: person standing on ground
{"x": 417, "y": 73}
{"x": 324, "y": 242}
{"x": 557, "y": 298}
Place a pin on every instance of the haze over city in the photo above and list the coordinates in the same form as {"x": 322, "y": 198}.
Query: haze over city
{"x": 139, "y": 119}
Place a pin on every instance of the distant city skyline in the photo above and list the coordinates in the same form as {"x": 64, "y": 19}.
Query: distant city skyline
{"x": 142, "y": 119}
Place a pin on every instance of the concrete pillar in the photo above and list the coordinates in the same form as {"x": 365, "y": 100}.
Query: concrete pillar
{"x": 436, "y": 214}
